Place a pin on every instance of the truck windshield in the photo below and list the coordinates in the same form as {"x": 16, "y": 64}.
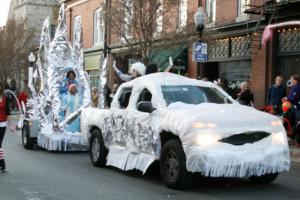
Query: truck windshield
{"x": 191, "y": 94}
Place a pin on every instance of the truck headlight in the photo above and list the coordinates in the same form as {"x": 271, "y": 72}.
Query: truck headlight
{"x": 204, "y": 125}
{"x": 278, "y": 138}
{"x": 276, "y": 123}
{"x": 207, "y": 139}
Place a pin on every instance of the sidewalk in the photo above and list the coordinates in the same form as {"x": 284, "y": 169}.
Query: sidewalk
{"x": 295, "y": 154}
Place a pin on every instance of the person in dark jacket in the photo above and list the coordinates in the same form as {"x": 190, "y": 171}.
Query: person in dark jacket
{"x": 245, "y": 97}
{"x": 294, "y": 94}
{"x": 294, "y": 98}
{"x": 4, "y": 119}
{"x": 276, "y": 93}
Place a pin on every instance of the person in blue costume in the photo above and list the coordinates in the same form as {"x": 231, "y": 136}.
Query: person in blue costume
{"x": 67, "y": 81}
{"x": 71, "y": 103}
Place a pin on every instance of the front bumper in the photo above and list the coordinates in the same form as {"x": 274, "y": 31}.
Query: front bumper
{"x": 237, "y": 161}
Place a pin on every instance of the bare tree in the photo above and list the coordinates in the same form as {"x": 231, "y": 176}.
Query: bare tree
{"x": 144, "y": 25}
{"x": 15, "y": 44}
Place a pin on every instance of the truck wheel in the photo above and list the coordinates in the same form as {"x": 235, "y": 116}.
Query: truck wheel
{"x": 27, "y": 141}
{"x": 173, "y": 166}
{"x": 264, "y": 179}
{"x": 97, "y": 150}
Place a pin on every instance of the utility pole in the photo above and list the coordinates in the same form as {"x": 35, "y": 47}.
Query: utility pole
{"x": 106, "y": 24}
{"x": 200, "y": 70}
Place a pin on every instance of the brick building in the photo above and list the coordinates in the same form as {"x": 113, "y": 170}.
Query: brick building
{"x": 234, "y": 42}
{"x": 88, "y": 12}
{"x": 233, "y": 33}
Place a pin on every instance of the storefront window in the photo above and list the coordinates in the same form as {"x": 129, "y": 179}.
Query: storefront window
{"x": 289, "y": 65}
{"x": 94, "y": 78}
{"x": 235, "y": 72}
{"x": 288, "y": 52}
{"x": 289, "y": 40}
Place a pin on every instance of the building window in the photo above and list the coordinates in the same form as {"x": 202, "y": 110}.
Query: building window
{"x": 235, "y": 72}
{"x": 211, "y": 6}
{"x": 98, "y": 27}
{"x": 218, "y": 49}
{"x": 242, "y": 6}
{"x": 76, "y": 25}
{"x": 159, "y": 19}
{"x": 52, "y": 31}
{"x": 127, "y": 9}
{"x": 182, "y": 15}
{"x": 289, "y": 41}
{"x": 94, "y": 78}
{"x": 240, "y": 46}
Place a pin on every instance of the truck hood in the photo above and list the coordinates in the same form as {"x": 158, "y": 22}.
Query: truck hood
{"x": 226, "y": 116}
{"x": 221, "y": 112}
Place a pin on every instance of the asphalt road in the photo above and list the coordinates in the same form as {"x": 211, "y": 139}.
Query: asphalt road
{"x": 37, "y": 174}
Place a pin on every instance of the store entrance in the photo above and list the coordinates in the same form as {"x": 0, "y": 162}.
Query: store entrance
{"x": 211, "y": 71}
{"x": 288, "y": 66}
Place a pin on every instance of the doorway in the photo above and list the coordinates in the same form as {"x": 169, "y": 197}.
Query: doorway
{"x": 211, "y": 71}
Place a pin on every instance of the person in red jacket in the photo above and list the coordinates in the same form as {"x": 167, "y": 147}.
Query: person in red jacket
{"x": 23, "y": 97}
{"x": 4, "y": 118}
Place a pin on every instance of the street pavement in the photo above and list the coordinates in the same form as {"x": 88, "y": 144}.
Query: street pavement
{"x": 41, "y": 175}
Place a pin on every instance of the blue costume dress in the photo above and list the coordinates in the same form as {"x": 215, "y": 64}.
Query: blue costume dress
{"x": 71, "y": 103}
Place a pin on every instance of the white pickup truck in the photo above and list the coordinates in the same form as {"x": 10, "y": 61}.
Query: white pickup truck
{"x": 190, "y": 126}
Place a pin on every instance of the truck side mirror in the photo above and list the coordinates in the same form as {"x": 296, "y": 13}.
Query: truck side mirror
{"x": 145, "y": 106}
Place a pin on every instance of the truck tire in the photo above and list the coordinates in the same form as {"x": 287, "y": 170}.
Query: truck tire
{"x": 264, "y": 179}
{"x": 173, "y": 166}
{"x": 27, "y": 141}
{"x": 97, "y": 149}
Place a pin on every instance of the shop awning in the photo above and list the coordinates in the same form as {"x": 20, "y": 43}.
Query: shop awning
{"x": 179, "y": 53}
{"x": 92, "y": 61}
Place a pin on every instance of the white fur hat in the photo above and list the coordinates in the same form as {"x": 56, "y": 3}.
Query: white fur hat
{"x": 138, "y": 67}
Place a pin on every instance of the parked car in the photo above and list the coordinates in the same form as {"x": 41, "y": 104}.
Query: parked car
{"x": 190, "y": 126}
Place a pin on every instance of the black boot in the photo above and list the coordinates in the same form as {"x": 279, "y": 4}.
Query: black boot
{"x": 2, "y": 165}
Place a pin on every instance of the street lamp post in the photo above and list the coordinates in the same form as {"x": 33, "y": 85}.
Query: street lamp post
{"x": 31, "y": 59}
{"x": 199, "y": 19}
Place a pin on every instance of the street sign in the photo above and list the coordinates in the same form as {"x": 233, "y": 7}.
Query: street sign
{"x": 199, "y": 52}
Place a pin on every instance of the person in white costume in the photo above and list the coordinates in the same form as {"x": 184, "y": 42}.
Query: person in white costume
{"x": 136, "y": 70}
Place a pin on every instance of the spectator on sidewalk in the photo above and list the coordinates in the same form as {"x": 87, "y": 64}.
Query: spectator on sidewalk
{"x": 95, "y": 97}
{"x": 23, "y": 96}
{"x": 13, "y": 101}
{"x": 294, "y": 98}
{"x": 245, "y": 97}
{"x": 275, "y": 94}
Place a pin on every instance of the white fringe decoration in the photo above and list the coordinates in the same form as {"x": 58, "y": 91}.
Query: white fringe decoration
{"x": 62, "y": 142}
{"x": 231, "y": 166}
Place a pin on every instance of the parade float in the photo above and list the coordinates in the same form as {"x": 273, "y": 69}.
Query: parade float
{"x": 189, "y": 126}
{"x": 43, "y": 121}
